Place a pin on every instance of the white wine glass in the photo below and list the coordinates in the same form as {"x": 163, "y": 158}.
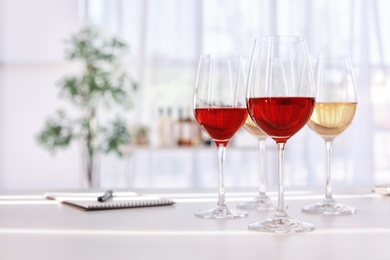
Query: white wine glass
{"x": 280, "y": 99}
{"x": 335, "y": 109}
{"x": 261, "y": 201}
{"x": 220, "y": 110}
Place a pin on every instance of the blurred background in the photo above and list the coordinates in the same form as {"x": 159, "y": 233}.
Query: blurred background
{"x": 165, "y": 38}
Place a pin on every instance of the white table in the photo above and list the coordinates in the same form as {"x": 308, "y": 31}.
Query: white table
{"x": 34, "y": 228}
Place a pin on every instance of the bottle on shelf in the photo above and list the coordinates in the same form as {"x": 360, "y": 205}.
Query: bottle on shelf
{"x": 165, "y": 131}
{"x": 184, "y": 129}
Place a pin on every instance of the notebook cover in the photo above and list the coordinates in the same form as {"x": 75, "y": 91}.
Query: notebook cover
{"x": 88, "y": 202}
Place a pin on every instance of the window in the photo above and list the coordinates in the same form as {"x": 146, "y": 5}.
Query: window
{"x": 175, "y": 33}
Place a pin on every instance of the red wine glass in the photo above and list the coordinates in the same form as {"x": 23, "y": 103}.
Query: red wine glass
{"x": 220, "y": 110}
{"x": 280, "y": 100}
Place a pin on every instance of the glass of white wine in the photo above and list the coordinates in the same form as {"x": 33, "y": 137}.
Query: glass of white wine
{"x": 261, "y": 201}
{"x": 334, "y": 111}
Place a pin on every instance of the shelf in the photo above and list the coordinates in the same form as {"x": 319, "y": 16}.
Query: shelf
{"x": 126, "y": 149}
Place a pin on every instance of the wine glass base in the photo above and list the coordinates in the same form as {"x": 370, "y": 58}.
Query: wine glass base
{"x": 279, "y": 224}
{"x": 258, "y": 203}
{"x": 329, "y": 208}
{"x": 221, "y": 212}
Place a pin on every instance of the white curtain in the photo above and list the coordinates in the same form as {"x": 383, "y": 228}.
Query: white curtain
{"x": 166, "y": 38}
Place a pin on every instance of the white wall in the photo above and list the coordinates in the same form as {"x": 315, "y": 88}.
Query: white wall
{"x": 31, "y": 61}
{"x": 33, "y": 31}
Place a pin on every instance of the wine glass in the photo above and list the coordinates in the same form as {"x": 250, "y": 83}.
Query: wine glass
{"x": 335, "y": 109}
{"x": 280, "y": 99}
{"x": 261, "y": 201}
{"x": 220, "y": 110}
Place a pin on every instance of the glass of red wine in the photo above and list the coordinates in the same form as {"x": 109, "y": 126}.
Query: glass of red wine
{"x": 280, "y": 100}
{"x": 220, "y": 110}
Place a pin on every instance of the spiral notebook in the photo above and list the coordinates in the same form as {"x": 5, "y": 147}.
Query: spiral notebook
{"x": 88, "y": 201}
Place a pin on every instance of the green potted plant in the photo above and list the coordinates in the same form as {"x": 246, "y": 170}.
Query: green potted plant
{"x": 101, "y": 91}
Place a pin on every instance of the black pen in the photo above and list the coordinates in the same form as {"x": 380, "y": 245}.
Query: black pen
{"x": 106, "y": 196}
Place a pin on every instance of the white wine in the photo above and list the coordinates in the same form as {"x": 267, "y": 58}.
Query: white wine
{"x": 253, "y": 129}
{"x": 331, "y": 119}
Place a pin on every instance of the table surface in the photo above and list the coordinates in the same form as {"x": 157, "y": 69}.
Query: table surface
{"x": 34, "y": 228}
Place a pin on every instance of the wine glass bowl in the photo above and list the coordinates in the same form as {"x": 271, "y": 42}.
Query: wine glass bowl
{"x": 280, "y": 100}
{"x": 254, "y": 130}
{"x": 220, "y": 110}
{"x": 335, "y": 109}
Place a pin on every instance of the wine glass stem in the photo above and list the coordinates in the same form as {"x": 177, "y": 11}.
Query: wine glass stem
{"x": 221, "y": 181}
{"x": 328, "y": 194}
{"x": 281, "y": 208}
{"x": 262, "y": 167}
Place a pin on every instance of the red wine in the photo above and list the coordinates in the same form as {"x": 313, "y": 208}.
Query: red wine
{"x": 221, "y": 123}
{"x": 281, "y": 117}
